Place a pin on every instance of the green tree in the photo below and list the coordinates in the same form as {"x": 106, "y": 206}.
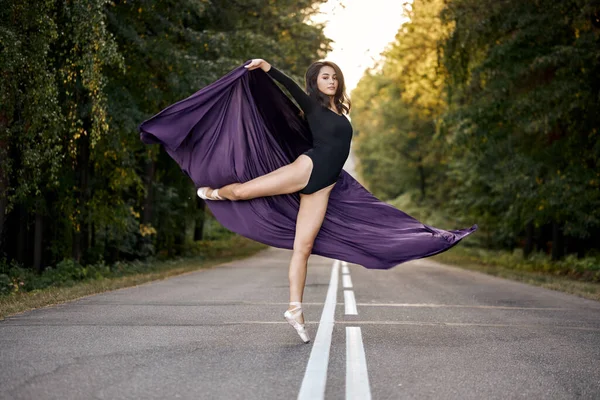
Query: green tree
{"x": 79, "y": 77}
{"x": 523, "y": 79}
{"x": 397, "y": 106}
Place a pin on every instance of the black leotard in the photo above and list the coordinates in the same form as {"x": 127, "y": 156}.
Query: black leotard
{"x": 332, "y": 133}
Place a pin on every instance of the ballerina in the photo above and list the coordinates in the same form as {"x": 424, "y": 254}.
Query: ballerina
{"x": 281, "y": 180}
{"x": 313, "y": 174}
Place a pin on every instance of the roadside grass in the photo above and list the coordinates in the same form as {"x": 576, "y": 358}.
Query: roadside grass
{"x": 213, "y": 253}
{"x": 509, "y": 265}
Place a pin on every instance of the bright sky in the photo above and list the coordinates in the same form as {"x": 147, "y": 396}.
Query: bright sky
{"x": 360, "y": 30}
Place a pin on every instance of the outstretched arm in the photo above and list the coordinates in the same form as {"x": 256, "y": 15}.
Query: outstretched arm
{"x": 303, "y": 100}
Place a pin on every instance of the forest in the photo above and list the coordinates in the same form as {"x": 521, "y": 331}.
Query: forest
{"x": 480, "y": 111}
{"x": 488, "y": 111}
{"x": 78, "y": 78}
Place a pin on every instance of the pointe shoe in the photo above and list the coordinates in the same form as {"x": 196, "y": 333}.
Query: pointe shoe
{"x": 289, "y": 316}
{"x": 214, "y": 195}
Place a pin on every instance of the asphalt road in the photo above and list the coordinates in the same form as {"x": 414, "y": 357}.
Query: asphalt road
{"x": 421, "y": 330}
{"x": 428, "y": 331}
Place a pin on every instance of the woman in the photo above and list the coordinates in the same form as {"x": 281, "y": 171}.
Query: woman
{"x": 313, "y": 174}
{"x": 283, "y": 172}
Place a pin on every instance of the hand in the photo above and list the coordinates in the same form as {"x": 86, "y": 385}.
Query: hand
{"x": 258, "y": 63}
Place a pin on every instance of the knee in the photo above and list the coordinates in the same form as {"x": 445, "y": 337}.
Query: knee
{"x": 303, "y": 249}
{"x": 238, "y": 193}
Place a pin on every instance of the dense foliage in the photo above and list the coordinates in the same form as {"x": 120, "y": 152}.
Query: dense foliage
{"x": 77, "y": 79}
{"x": 485, "y": 110}
{"x": 489, "y": 111}
{"x": 397, "y": 104}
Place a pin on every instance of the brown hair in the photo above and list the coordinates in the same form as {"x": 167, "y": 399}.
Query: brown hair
{"x": 341, "y": 99}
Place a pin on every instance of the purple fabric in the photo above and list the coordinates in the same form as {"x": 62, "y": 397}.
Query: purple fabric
{"x": 243, "y": 126}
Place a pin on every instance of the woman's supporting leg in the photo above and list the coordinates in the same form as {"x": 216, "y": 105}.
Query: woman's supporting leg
{"x": 287, "y": 179}
{"x": 310, "y": 218}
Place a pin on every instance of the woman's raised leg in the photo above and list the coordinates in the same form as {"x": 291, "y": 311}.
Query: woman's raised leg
{"x": 287, "y": 179}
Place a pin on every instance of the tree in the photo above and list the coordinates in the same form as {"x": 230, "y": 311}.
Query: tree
{"x": 523, "y": 81}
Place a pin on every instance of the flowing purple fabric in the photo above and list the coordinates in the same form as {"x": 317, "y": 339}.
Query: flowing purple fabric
{"x": 243, "y": 126}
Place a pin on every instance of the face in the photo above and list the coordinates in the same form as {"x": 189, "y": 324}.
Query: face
{"x": 327, "y": 80}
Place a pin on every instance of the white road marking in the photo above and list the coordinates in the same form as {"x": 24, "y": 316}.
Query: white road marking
{"x": 357, "y": 377}
{"x": 424, "y": 323}
{"x": 345, "y": 269}
{"x": 315, "y": 377}
{"x": 346, "y": 281}
{"x": 458, "y": 306}
{"x": 350, "y": 303}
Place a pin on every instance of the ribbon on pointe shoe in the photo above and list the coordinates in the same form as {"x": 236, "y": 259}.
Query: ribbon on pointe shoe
{"x": 215, "y": 194}
{"x": 290, "y": 317}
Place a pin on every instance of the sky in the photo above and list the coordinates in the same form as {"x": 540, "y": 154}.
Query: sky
{"x": 360, "y": 30}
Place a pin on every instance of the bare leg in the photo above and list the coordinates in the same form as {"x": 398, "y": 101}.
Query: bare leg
{"x": 287, "y": 179}
{"x": 310, "y": 218}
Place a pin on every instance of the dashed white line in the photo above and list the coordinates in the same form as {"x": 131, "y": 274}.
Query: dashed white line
{"x": 345, "y": 269}
{"x": 357, "y": 378}
{"x": 315, "y": 377}
{"x": 350, "y": 303}
{"x": 347, "y": 281}
{"x": 460, "y": 306}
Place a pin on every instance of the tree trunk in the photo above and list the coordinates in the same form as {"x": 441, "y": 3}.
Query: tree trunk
{"x": 582, "y": 246}
{"x": 85, "y": 192}
{"x": 529, "y": 231}
{"x": 557, "y": 241}
{"x": 80, "y": 238}
{"x": 148, "y": 204}
{"x": 3, "y": 205}
{"x": 541, "y": 239}
{"x": 199, "y": 227}
{"x": 150, "y": 172}
{"x": 3, "y": 180}
{"x": 37, "y": 242}
{"x": 422, "y": 181}
{"x": 22, "y": 235}
{"x": 93, "y": 235}
{"x": 76, "y": 249}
